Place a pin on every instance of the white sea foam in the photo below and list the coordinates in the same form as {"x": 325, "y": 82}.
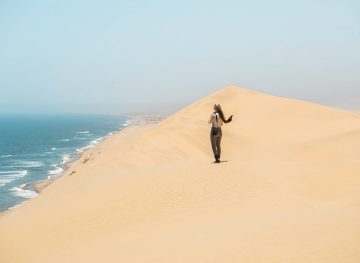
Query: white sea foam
{"x": 65, "y": 140}
{"x": 53, "y": 148}
{"x": 28, "y": 164}
{"x": 46, "y": 154}
{"x": 9, "y": 176}
{"x": 79, "y": 150}
{"x": 94, "y": 142}
{"x": 25, "y": 193}
{"x": 22, "y": 173}
{"x": 82, "y": 149}
{"x": 90, "y": 146}
{"x": 127, "y": 123}
{"x": 80, "y": 138}
{"x": 83, "y": 132}
{"x": 15, "y": 206}
{"x": 66, "y": 158}
{"x": 6, "y": 156}
{"x": 56, "y": 171}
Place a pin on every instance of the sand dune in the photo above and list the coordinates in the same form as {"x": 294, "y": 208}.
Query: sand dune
{"x": 287, "y": 191}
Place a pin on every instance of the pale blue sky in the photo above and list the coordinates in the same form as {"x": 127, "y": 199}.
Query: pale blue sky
{"x": 125, "y": 56}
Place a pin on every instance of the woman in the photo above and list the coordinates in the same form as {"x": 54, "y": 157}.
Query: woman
{"x": 216, "y": 120}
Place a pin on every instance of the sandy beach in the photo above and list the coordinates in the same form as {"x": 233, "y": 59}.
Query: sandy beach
{"x": 136, "y": 120}
{"x": 287, "y": 190}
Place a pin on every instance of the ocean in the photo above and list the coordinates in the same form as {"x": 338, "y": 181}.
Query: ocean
{"x": 37, "y": 147}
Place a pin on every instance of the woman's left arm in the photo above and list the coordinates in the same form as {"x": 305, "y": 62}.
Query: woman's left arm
{"x": 229, "y": 120}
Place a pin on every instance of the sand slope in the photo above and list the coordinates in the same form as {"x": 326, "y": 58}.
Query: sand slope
{"x": 288, "y": 191}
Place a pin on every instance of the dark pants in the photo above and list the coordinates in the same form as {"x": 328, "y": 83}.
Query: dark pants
{"x": 215, "y": 142}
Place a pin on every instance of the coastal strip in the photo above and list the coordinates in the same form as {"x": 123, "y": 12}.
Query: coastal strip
{"x": 134, "y": 121}
{"x": 82, "y": 156}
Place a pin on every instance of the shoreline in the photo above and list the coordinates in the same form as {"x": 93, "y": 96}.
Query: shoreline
{"x": 38, "y": 186}
{"x": 137, "y": 120}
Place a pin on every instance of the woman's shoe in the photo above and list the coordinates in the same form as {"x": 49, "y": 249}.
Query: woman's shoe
{"x": 217, "y": 159}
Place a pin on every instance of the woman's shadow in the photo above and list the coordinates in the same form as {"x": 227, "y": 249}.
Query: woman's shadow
{"x": 220, "y": 162}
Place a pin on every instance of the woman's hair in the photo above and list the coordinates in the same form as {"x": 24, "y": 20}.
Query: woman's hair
{"x": 221, "y": 114}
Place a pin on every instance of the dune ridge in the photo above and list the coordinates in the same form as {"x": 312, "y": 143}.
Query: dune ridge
{"x": 287, "y": 191}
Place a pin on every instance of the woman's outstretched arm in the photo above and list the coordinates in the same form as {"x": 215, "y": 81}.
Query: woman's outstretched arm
{"x": 229, "y": 120}
{"x": 223, "y": 117}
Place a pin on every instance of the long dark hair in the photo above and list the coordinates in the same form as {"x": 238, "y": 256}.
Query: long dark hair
{"x": 221, "y": 114}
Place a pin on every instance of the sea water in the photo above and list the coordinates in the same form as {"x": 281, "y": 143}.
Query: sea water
{"x": 37, "y": 147}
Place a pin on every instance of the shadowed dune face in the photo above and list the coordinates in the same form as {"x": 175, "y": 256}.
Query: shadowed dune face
{"x": 288, "y": 191}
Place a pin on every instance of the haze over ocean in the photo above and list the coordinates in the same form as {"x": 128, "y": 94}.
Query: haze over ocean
{"x": 124, "y": 56}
